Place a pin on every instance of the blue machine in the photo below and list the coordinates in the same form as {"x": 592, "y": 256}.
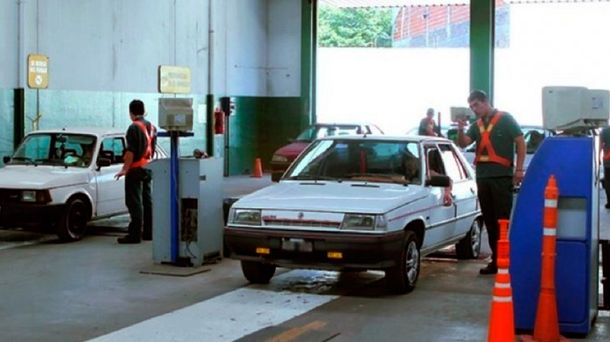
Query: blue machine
{"x": 572, "y": 160}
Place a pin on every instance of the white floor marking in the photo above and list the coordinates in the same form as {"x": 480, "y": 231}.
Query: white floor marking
{"x": 223, "y": 318}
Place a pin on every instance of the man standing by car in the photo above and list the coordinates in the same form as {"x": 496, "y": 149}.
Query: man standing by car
{"x": 427, "y": 126}
{"x": 496, "y": 135}
{"x": 141, "y": 141}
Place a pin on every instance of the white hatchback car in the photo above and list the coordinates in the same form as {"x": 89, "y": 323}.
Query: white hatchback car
{"x": 63, "y": 179}
{"x": 360, "y": 202}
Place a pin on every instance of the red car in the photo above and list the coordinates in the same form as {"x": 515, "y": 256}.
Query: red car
{"x": 283, "y": 157}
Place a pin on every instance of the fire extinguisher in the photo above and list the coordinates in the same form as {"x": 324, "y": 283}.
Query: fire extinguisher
{"x": 219, "y": 121}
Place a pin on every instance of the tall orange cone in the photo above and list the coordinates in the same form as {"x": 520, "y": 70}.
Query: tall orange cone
{"x": 258, "y": 168}
{"x": 502, "y": 318}
{"x": 546, "y": 328}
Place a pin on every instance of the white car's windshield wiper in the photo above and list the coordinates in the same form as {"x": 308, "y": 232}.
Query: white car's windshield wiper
{"x": 314, "y": 178}
{"x": 378, "y": 177}
{"x": 26, "y": 159}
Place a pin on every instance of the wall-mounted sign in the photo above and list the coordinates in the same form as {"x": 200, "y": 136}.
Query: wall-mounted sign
{"x": 38, "y": 71}
{"x": 174, "y": 79}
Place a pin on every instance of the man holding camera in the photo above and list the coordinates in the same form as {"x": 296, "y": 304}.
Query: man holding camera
{"x": 496, "y": 134}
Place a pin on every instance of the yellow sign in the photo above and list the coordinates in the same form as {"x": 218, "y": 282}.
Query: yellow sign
{"x": 174, "y": 79}
{"x": 38, "y": 71}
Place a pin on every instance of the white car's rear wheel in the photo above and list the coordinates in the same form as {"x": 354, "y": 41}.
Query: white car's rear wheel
{"x": 72, "y": 226}
{"x": 403, "y": 277}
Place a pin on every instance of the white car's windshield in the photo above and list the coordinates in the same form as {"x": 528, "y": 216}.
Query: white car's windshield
{"x": 370, "y": 160}
{"x": 55, "y": 149}
{"x": 316, "y": 132}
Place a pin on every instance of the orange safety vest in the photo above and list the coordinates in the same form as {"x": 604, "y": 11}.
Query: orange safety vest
{"x": 607, "y": 154}
{"x": 485, "y": 145}
{"x": 148, "y": 153}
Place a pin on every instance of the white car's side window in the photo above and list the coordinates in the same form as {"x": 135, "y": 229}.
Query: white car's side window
{"x": 434, "y": 161}
{"x": 454, "y": 170}
{"x": 113, "y": 149}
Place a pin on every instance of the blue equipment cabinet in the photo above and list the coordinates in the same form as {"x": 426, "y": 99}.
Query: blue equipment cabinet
{"x": 573, "y": 162}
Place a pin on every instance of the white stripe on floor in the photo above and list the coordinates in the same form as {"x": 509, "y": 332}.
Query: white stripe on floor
{"x": 224, "y": 318}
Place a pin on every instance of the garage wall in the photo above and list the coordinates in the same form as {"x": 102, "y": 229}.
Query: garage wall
{"x": 264, "y": 121}
{"x": 104, "y": 54}
{"x": 118, "y": 45}
{"x": 8, "y": 44}
{"x": 284, "y": 52}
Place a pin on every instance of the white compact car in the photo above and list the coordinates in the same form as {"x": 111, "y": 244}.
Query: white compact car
{"x": 360, "y": 202}
{"x": 62, "y": 179}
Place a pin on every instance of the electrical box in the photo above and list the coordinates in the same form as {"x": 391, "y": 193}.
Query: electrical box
{"x": 461, "y": 113}
{"x": 565, "y": 108}
{"x": 176, "y": 114}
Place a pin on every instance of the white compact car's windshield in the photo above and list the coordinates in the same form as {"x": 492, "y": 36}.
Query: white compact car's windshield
{"x": 55, "y": 149}
{"x": 316, "y": 132}
{"x": 370, "y": 160}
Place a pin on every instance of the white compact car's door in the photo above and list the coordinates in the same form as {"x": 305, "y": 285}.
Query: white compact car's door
{"x": 463, "y": 190}
{"x": 440, "y": 225}
{"x": 111, "y": 192}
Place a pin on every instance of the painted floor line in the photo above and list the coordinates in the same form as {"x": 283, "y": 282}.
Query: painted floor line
{"x": 223, "y": 318}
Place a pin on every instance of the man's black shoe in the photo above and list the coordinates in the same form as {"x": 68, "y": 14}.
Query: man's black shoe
{"x": 146, "y": 238}
{"x": 127, "y": 240}
{"x": 489, "y": 269}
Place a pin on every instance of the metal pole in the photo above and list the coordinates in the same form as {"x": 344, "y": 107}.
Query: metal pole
{"x": 174, "y": 191}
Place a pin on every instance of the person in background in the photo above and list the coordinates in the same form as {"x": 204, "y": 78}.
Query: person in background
{"x": 427, "y": 126}
{"x": 141, "y": 141}
{"x": 605, "y": 147}
{"x": 496, "y": 134}
{"x": 199, "y": 154}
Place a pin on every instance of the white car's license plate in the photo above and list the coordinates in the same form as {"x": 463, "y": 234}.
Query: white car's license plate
{"x": 299, "y": 245}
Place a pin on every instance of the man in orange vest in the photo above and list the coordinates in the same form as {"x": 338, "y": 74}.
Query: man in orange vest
{"x": 141, "y": 141}
{"x": 605, "y": 146}
{"x": 496, "y": 135}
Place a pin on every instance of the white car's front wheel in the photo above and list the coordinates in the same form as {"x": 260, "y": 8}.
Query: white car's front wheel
{"x": 470, "y": 246}
{"x": 257, "y": 272}
{"x": 403, "y": 277}
{"x": 73, "y": 223}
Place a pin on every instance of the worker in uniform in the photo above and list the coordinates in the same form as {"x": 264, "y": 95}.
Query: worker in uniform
{"x": 605, "y": 146}
{"x": 427, "y": 126}
{"x": 141, "y": 141}
{"x": 497, "y": 135}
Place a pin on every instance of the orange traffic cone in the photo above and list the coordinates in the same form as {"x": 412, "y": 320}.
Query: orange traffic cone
{"x": 258, "y": 168}
{"x": 502, "y": 321}
{"x": 547, "y": 321}
{"x": 546, "y": 328}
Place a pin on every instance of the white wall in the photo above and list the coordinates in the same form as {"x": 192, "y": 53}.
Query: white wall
{"x": 8, "y": 44}
{"x": 284, "y": 52}
{"x": 117, "y": 45}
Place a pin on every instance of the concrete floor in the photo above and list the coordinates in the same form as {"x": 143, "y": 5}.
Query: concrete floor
{"x": 78, "y": 291}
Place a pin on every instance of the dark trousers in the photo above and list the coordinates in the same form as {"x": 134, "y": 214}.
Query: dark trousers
{"x": 496, "y": 199}
{"x": 607, "y": 183}
{"x": 139, "y": 202}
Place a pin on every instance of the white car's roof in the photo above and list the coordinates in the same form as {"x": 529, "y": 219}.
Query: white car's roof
{"x": 97, "y": 131}
{"x": 416, "y": 138}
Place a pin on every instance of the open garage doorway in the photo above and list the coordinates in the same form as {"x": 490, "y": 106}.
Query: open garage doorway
{"x": 387, "y": 61}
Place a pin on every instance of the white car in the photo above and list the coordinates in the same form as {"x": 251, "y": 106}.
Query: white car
{"x": 360, "y": 202}
{"x": 62, "y": 179}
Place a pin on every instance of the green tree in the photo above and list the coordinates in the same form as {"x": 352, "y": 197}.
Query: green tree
{"x": 354, "y": 27}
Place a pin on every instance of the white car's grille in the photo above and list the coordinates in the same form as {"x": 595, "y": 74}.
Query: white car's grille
{"x": 300, "y": 223}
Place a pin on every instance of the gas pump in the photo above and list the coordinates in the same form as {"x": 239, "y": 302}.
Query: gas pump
{"x": 187, "y": 196}
{"x": 571, "y": 157}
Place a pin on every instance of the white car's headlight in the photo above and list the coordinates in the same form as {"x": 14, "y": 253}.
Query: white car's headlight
{"x": 363, "y": 222}
{"x": 245, "y": 216}
{"x": 35, "y": 196}
{"x": 279, "y": 159}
